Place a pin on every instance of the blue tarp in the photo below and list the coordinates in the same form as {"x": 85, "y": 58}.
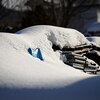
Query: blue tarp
{"x": 35, "y": 53}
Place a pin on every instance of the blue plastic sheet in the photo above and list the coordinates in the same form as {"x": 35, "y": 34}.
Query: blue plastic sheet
{"x": 36, "y": 53}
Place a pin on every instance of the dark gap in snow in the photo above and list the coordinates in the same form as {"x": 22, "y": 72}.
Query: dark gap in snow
{"x": 55, "y": 47}
{"x": 68, "y": 49}
{"x": 52, "y": 38}
{"x": 94, "y": 56}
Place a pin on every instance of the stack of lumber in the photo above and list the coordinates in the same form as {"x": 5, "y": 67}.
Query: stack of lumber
{"x": 80, "y": 62}
{"x": 81, "y": 49}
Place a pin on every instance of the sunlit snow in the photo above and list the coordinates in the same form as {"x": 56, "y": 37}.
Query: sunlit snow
{"x": 23, "y": 77}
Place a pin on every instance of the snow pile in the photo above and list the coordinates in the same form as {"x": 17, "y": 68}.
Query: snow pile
{"x": 50, "y": 79}
{"x": 22, "y": 70}
{"x": 63, "y": 37}
{"x": 95, "y": 40}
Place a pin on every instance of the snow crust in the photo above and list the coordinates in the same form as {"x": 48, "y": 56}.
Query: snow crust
{"x": 22, "y": 75}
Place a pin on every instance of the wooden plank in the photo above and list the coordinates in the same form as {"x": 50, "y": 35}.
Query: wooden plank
{"x": 70, "y": 53}
{"x": 80, "y": 58}
{"x": 98, "y": 70}
{"x": 78, "y": 66}
{"x": 82, "y": 46}
{"x": 82, "y": 50}
{"x": 75, "y": 54}
{"x": 92, "y": 66}
{"x": 79, "y": 61}
{"x": 90, "y": 70}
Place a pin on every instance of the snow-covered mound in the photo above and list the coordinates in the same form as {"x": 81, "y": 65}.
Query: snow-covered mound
{"x": 20, "y": 69}
{"x": 95, "y": 40}
{"x": 30, "y": 78}
{"x": 63, "y": 37}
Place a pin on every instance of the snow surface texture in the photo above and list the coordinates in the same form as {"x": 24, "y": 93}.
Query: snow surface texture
{"x": 23, "y": 77}
{"x": 58, "y": 36}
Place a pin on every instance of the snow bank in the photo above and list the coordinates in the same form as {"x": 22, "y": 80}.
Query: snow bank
{"x": 19, "y": 69}
{"x": 63, "y": 37}
{"x": 25, "y": 77}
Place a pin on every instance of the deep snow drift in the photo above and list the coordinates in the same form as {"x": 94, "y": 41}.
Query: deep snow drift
{"x": 59, "y": 36}
{"x": 25, "y": 77}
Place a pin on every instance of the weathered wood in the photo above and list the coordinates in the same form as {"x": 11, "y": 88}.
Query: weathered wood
{"x": 83, "y": 45}
{"x": 80, "y": 62}
{"x": 71, "y": 53}
{"x": 83, "y": 51}
{"x": 80, "y": 58}
{"x": 79, "y": 49}
{"x": 90, "y": 70}
{"x": 92, "y": 66}
{"x": 78, "y": 66}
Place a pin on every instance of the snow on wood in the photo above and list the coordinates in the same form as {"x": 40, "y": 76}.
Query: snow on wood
{"x": 80, "y": 62}
{"x": 25, "y": 77}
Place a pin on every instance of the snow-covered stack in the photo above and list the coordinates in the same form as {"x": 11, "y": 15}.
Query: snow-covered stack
{"x": 64, "y": 37}
{"x": 49, "y": 79}
{"x": 16, "y": 65}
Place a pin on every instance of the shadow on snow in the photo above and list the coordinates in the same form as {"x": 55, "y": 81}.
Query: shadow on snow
{"x": 87, "y": 89}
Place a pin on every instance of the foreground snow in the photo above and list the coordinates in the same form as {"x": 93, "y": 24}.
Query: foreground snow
{"x": 28, "y": 78}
